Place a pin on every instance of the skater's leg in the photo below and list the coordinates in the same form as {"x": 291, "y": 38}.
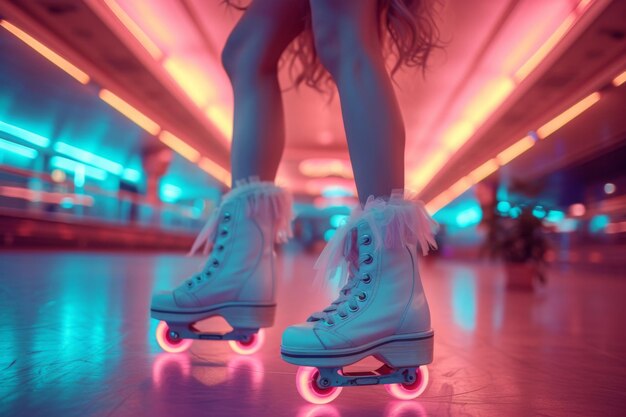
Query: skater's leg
{"x": 250, "y": 58}
{"x": 348, "y": 44}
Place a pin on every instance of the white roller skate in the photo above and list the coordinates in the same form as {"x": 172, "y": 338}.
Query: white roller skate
{"x": 381, "y": 311}
{"x": 238, "y": 280}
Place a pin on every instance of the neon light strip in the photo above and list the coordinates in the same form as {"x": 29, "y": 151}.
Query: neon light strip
{"x": 484, "y": 171}
{"x": 214, "y": 170}
{"x": 545, "y": 49}
{"x": 179, "y": 146}
{"x": 47, "y": 53}
{"x": 131, "y": 175}
{"x": 72, "y": 166}
{"x": 21, "y": 150}
{"x": 512, "y": 152}
{"x": 88, "y": 157}
{"x": 135, "y": 30}
{"x": 129, "y": 111}
{"x": 219, "y": 117}
{"x": 619, "y": 80}
{"x": 568, "y": 115}
{"x": 44, "y": 196}
{"x": 24, "y": 135}
{"x": 515, "y": 150}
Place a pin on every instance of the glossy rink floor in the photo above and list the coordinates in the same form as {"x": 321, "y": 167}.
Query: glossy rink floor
{"x": 76, "y": 340}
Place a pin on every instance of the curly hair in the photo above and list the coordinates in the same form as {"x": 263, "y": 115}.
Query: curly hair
{"x": 408, "y": 29}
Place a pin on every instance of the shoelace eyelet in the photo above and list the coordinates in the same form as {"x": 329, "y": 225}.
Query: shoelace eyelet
{"x": 189, "y": 284}
{"x": 216, "y": 263}
{"x": 220, "y": 248}
{"x": 356, "y": 308}
{"x": 207, "y": 273}
{"x": 367, "y": 278}
{"x": 362, "y": 296}
{"x": 329, "y": 324}
{"x": 198, "y": 278}
{"x": 224, "y": 232}
{"x": 226, "y": 217}
{"x": 366, "y": 240}
{"x": 368, "y": 259}
{"x": 342, "y": 317}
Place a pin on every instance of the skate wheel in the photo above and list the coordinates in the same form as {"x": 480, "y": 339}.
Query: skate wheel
{"x": 169, "y": 344}
{"x": 252, "y": 345}
{"x": 410, "y": 391}
{"x": 306, "y": 382}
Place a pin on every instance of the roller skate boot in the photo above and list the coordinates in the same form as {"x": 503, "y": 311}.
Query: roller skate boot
{"x": 381, "y": 310}
{"x": 238, "y": 279}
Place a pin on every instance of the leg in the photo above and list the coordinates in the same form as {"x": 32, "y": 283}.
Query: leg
{"x": 348, "y": 45}
{"x": 250, "y": 58}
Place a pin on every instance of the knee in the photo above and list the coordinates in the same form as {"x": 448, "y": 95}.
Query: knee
{"x": 338, "y": 37}
{"x": 248, "y": 51}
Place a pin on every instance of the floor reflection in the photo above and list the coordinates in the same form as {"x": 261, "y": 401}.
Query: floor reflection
{"x": 313, "y": 410}
{"x": 77, "y": 340}
{"x": 405, "y": 409}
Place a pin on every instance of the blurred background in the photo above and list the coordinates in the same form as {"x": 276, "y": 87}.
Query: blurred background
{"x": 115, "y": 129}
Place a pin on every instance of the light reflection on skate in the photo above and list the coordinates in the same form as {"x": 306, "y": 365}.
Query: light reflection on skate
{"x": 314, "y": 410}
{"x": 405, "y": 409}
{"x": 166, "y": 366}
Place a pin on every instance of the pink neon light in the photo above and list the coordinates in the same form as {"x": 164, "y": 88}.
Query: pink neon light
{"x": 315, "y": 410}
{"x": 45, "y": 196}
{"x": 249, "y": 367}
{"x": 405, "y": 408}
{"x": 306, "y": 383}
{"x": 410, "y": 392}
{"x": 256, "y": 342}
{"x": 167, "y": 344}
{"x": 47, "y": 53}
{"x": 165, "y": 361}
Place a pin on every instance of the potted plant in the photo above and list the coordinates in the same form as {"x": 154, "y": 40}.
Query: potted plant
{"x": 520, "y": 242}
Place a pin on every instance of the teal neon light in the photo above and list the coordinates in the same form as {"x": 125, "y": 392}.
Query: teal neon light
{"x": 469, "y": 217}
{"x": 89, "y": 158}
{"x": 598, "y": 223}
{"x": 337, "y": 220}
{"x": 555, "y": 216}
{"x": 25, "y": 135}
{"x": 20, "y": 150}
{"x": 503, "y": 206}
{"x": 72, "y": 166}
{"x": 170, "y": 193}
{"x": 131, "y": 175}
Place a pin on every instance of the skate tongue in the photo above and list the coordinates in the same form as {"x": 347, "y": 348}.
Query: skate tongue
{"x": 206, "y": 236}
{"x": 400, "y": 221}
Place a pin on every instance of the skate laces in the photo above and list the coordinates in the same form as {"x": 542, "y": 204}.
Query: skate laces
{"x": 347, "y": 301}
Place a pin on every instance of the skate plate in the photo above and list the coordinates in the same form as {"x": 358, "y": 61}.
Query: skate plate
{"x": 336, "y": 377}
{"x": 179, "y": 331}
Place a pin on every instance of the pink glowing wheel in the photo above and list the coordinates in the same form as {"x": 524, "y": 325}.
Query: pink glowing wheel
{"x": 169, "y": 343}
{"x": 252, "y": 345}
{"x": 306, "y": 382}
{"x": 410, "y": 391}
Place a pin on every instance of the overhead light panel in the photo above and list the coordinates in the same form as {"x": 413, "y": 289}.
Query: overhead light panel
{"x": 17, "y": 149}
{"x": 47, "y": 53}
{"x": 567, "y": 116}
{"x": 135, "y": 30}
{"x": 129, "y": 111}
{"x": 179, "y": 146}
{"x": 24, "y": 135}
